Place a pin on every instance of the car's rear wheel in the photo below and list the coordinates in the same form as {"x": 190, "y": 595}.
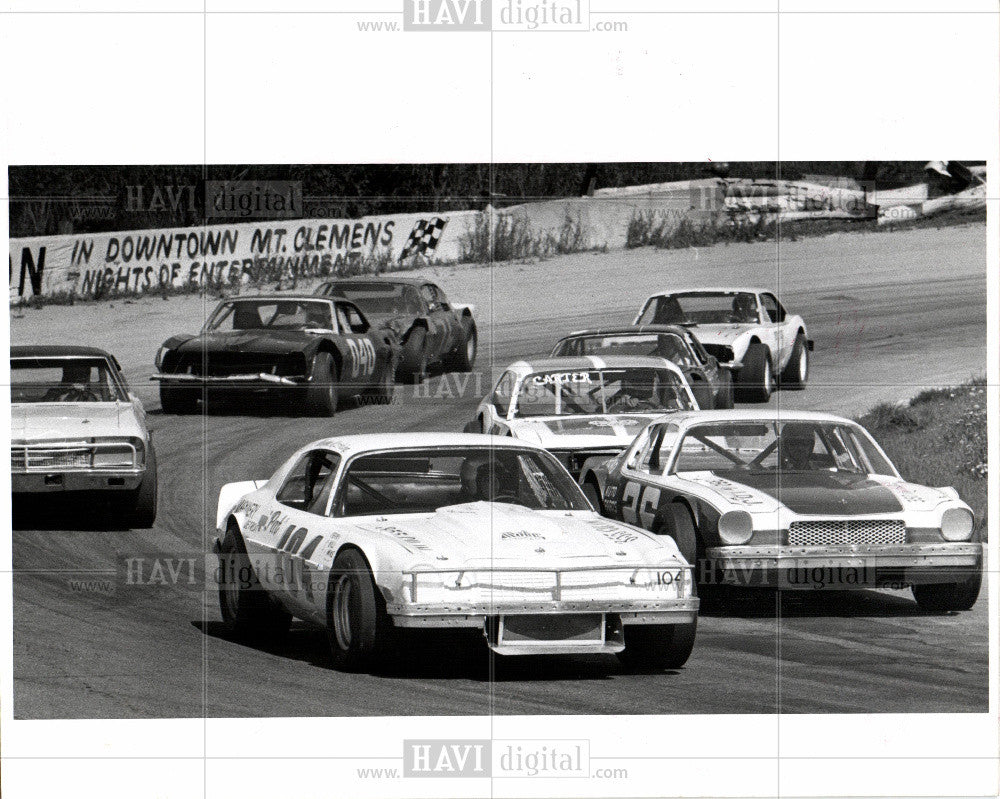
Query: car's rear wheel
{"x": 756, "y": 376}
{"x": 414, "y": 362}
{"x": 464, "y": 356}
{"x": 654, "y": 647}
{"x": 593, "y": 495}
{"x": 381, "y": 393}
{"x": 247, "y": 609}
{"x": 943, "y": 597}
{"x": 677, "y": 523}
{"x": 321, "y": 391}
{"x": 797, "y": 371}
{"x": 178, "y": 399}
{"x": 142, "y": 503}
{"x": 359, "y": 631}
{"x": 724, "y": 396}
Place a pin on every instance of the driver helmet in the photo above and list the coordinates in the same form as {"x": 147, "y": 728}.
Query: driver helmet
{"x": 744, "y": 308}
{"x": 76, "y": 374}
{"x": 796, "y": 442}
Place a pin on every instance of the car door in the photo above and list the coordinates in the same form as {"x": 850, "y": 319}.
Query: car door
{"x": 454, "y": 334}
{"x": 641, "y": 487}
{"x": 437, "y": 322}
{"x": 360, "y": 361}
{"x": 773, "y": 320}
{"x": 302, "y": 503}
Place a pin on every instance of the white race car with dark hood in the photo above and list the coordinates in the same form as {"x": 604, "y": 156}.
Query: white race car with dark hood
{"x": 743, "y": 326}
{"x": 796, "y": 500}
{"x": 585, "y": 408}
{"x": 364, "y": 535}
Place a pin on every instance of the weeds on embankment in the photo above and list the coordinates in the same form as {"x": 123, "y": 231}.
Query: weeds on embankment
{"x": 939, "y": 439}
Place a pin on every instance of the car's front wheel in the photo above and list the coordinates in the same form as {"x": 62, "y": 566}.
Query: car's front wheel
{"x": 797, "y": 371}
{"x": 414, "y": 361}
{"x": 756, "y": 376}
{"x": 142, "y": 502}
{"x": 321, "y": 391}
{"x": 359, "y": 630}
{"x": 247, "y": 609}
{"x": 654, "y": 647}
{"x": 943, "y": 597}
{"x": 464, "y": 356}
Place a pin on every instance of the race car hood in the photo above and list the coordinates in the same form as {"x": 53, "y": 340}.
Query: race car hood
{"x": 604, "y": 431}
{"x": 270, "y": 342}
{"x": 57, "y": 421}
{"x": 485, "y": 533}
{"x": 719, "y": 334}
{"x": 820, "y": 493}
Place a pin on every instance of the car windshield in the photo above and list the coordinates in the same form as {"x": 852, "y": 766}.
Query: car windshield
{"x": 63, "y": 380}
{"x": 791, "y": 446}
{"x": 601, "y": 391}
{"x": 700, "y": 307}
{"x": 379, "y": 298}
{"x": 270, "y": 314}
{"x": 659, "y": 345}
{"x": 424, "y": 480}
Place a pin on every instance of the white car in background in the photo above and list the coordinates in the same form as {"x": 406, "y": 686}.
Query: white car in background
{"x": 740, "y": 325}
{"x": 364, "y": 535}
{"x": 582, "y": 408}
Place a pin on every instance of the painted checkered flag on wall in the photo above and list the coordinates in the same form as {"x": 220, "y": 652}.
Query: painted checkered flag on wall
{"x": 424, "y": 237}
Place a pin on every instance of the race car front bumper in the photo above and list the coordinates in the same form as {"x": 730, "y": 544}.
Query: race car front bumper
{"x": 842, "y": 566}
{"x": 532, "y": 610}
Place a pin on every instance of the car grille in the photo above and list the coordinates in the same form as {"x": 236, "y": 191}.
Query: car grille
{"x": 28, "y": 459}
{"x": 849, "y": 531}
{"x": 225, "y": 364}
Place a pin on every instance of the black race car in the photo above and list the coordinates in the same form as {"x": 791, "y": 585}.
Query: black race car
{"x": 431, "y": 329}
{"x": 711, "y": 382}
{"x": 314, "y": 350}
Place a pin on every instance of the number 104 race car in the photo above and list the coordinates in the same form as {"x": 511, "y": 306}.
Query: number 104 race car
{"x": 366, "y": 535}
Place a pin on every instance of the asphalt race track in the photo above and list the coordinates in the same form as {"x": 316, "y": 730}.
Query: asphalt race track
{"x": 890, "y": 313}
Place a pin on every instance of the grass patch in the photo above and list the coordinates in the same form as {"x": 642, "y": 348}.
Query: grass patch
{"x": 939, "y": 439}
{"x": 506, "y": 237}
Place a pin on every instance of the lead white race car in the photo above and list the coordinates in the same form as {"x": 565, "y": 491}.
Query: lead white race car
{"x": 365, "y": 535}
{"x": 740, "y": 326}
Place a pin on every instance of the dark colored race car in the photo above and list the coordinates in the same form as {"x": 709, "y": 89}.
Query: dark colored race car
{"x": 432, "y": 330}
{"x": 711, "y": 382}
{"x": 316, "y": 351}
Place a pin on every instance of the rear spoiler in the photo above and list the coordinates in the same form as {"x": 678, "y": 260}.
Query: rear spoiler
{"x": 229, "y": 495}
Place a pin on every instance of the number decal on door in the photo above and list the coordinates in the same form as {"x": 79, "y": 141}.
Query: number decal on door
{"x": 648, "y": 504}
{"x": 630, "y": 501}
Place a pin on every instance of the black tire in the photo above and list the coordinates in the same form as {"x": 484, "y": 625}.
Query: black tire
{"x": 247, "y": 609}
{"x": 593, "y": 495}
{"x": 655, "y": 647}
{"x": 321, "y": 391}
{"x": 944, "y": 597}
{"x": 359, "y": 631}
{"x": 677, "y": 523}
{"x": 797, "y": 370}
{"x": 724, "y": 397}
{"x": 381, "y": 393}
{"x": 142, "y": 504}
{"x": 178, "y": 400}
{"x": 756, "y": 376}
{"x": 703, "y": 394}
{"x": 475, "y": 426}
{"x": 464, "y": 356}
{"x": 414, "y": 361}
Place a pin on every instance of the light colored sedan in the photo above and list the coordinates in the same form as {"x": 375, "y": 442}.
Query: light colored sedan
{"x": 76, "y": 429}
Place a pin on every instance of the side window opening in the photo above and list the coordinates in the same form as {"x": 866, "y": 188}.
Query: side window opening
{"x": 310, "y": 482}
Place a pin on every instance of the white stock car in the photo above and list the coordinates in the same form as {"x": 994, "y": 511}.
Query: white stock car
{"x": 367, "y": 534}
{"x": 745, "y": 326}
{"x": 582, "y": 409}
{"x": 796, "y": 500}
